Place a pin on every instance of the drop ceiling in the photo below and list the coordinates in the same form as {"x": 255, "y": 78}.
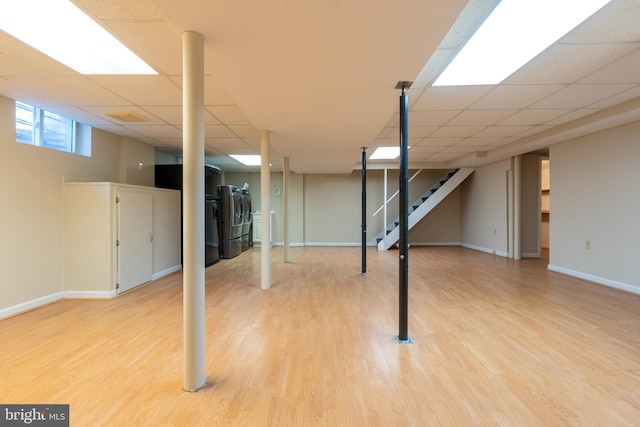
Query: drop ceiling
{"x": 321, "y": 76}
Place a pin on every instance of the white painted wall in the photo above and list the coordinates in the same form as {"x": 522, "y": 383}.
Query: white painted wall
{"x": 596, "y": 198}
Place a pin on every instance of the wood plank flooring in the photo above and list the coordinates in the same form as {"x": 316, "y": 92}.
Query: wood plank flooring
{"x": 497, "y": 342}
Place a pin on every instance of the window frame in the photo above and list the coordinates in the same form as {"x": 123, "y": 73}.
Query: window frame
{"x": 43, "y": 123}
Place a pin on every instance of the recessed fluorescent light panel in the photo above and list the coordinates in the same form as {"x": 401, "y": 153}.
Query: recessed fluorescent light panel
{"x": 514, "y": 33}
{"x": 62, "y": 31}
{"x": 248, "y": 159}
{"x": 386, "y": 153}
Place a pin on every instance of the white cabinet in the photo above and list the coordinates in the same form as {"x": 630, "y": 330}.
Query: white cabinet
{"x": 257, "y": 227}
{"x": 117, "y": 237}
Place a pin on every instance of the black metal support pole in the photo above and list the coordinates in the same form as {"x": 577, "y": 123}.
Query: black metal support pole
{"x": 364, "y": 210}
{"x": 403, "y": 336}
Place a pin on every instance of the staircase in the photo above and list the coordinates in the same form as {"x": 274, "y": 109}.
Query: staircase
{"x": 422, "y": 206}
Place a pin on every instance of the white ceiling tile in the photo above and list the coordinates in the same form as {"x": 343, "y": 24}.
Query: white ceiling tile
{"x": 580, "y": 96}
{"x": 156, "y": 131}
{"x": 417, "y": 131}
{"x": 20, "y": 59}
{"x": 574, "y": 115}
{"x": 431, "y": 117}
{"x": 74, "y": 90}
{"x": 413, "y": 132}
{"x": 515, "y": 96}
{"x": 143, "y": 90}
{"x": 120, "y": 130}
{"x": 450, "y": 98}
{"x": 534, "y": 117}
{"x": 432, "y": 69}
{"x": 229, "y": 114}
{"x": 439, "y": 142}
{"x": 501, "y": 131}
{"x": 169, "y": 114}
{"x": 456, "y": 131}
{"x": 617, "y": 22}
{"x": 441, "y": 156}
{"x": 85, "y": 115}
{"x": 155, "y": 42}
{"x": 20, "y": 92}
{"x": 218, "y": 131}
{"x": 477, "y": 142}
{"x": 564, "y": 63}
{"x": 624, "y": 70}
{"x": 619, "y": 98}
{"x": 479, "y": 117}
{"x": 604, "y": 50}
{"x": 421, "y": 150}
{"x": 459, "y": 149}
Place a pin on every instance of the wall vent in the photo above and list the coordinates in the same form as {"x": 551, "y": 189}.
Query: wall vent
{"x": 128, "y": 116}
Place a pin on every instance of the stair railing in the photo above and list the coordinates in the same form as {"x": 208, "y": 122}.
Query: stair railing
{"x": 386, "y": 201}
{"x": 394, "y": 194}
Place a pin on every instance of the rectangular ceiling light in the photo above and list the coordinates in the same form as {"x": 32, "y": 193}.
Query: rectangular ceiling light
{"x": 386, "y": 153}
{"x": 514, "y": 33}
{"x": 62, "y": 31}
{"x": 248, "y": 159}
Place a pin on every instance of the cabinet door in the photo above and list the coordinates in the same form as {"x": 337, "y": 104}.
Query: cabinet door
{"x": 134, "y": 239}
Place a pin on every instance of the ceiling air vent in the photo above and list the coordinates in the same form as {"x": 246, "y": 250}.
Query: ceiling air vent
{"x": 128, "y": 116}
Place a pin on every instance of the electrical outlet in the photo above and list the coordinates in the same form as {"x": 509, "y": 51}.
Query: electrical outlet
{"x": 587, "y": 244}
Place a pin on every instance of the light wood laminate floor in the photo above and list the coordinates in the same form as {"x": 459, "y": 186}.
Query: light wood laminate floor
{"x": 497, "y": 342}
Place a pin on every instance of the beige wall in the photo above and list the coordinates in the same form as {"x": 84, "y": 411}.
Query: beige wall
{"x": 325, "y": 209}
{"x": 484, "y": 209}
{"x": 137, "y": 162}
{"x": 595, "y": 196}
{"x": 530, "y": 187}
{"x": 276, "y": 201}
{"x": 31, "y": 192}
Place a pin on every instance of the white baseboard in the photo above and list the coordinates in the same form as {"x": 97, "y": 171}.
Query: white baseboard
{"x": 166, "y": 272}
{"x": 486, "y": 250}
{"x": 29, "y": 305}
{"x": 292, "y": 245}
{"x": 611, "y": 283}
{"x": 434, "y": 244}
{"x": 89, "y": 294}
{"x": 35, "y": 303}
{"x": 342, "y": 244}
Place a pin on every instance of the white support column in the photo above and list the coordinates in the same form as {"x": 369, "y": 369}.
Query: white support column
{"x": 193, "y": 210}
{"x": 265, "y": 208}
{"x": 285, "y": 191}
{"x": 517, "y": 206}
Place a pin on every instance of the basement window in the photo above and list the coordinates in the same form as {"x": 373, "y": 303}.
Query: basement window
{"x": 36, "y": 126}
